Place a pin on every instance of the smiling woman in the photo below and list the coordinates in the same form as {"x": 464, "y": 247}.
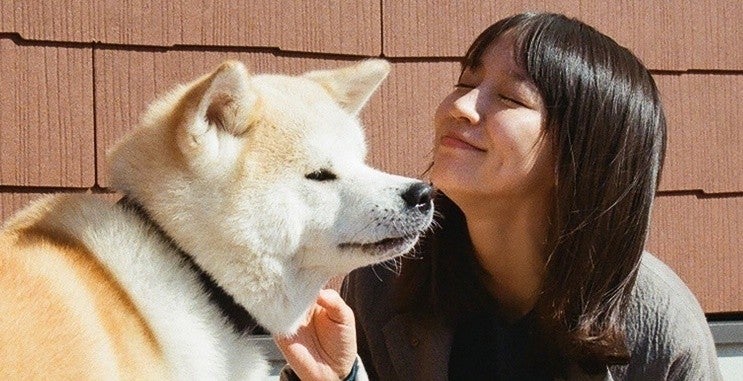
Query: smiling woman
{"x": 547, "y": 154}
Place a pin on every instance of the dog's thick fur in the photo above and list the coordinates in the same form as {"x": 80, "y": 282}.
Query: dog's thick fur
{"x": 258, "y": 181}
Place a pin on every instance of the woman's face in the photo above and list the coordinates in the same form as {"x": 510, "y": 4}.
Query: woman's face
{"x": 489, "y": 139}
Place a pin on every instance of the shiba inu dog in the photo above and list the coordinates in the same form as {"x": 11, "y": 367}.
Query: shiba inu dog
{"x": 252, "y": 186}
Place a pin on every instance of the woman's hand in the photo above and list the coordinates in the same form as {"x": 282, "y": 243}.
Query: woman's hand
{"x": 324, "y": 348}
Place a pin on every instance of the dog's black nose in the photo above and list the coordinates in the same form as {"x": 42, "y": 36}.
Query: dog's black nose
{"x": 418, "y": 196}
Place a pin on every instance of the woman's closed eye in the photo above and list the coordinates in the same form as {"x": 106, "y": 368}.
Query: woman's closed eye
{"x": 511, "y": 101}
{"x": 466, "y": 86}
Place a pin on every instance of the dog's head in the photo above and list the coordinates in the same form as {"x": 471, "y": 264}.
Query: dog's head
{"x": 262, "y": 180}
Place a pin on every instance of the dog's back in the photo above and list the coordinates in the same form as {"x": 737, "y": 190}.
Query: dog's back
{"x": 64, "y": 315}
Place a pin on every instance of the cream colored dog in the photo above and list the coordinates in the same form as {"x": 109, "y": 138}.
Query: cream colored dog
{"x": 254, "y": 187}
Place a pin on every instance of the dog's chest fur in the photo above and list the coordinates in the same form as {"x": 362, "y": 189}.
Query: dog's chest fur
{"x": 240, "y": 319}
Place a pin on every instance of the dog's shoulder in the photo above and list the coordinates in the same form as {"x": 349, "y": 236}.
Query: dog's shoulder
{"x": 84, "y": 264}
{"x": 62, "y": 306}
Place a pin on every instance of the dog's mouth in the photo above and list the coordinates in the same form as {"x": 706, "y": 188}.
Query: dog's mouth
{"x": 383, "y": 246}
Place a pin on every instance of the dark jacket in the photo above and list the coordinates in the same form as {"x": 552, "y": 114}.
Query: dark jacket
{"x": 667, "y": 333}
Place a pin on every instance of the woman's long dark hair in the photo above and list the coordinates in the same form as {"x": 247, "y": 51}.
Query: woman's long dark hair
{"x": 605, "y": 119}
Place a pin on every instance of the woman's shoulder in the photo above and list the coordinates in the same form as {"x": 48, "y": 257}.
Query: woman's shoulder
{"x": 660, "y": 297}
{"x": 658, "y": 288}
{"x": 667, "y": 332}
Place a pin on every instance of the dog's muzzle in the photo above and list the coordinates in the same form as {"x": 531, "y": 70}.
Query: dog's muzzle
{"x": 417, "y": 210}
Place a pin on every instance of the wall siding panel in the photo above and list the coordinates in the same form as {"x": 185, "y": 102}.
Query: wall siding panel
{"x": 338, "y": 27}
{"x": 441, "y": 28}
{"x": 713, "y": 34}
{"x": 654, "y": 31}
{"x": 63, "y": 20}
{"x": 700, "y": 238}
{"x": 46, "y": 135}
{"x": 704, "y": 132}
{"x": 667, "y": 35}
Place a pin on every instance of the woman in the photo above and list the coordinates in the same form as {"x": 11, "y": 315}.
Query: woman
{"x": 547, "y": 155}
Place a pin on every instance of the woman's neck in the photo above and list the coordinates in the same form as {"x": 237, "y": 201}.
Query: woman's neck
{"x": 510, "y": 242}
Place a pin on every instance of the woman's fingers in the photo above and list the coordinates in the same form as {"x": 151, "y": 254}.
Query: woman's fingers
{"x": 336, "y": 308}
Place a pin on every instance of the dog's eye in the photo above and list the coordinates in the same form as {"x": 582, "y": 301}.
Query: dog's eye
{"x": 321, "y": 175}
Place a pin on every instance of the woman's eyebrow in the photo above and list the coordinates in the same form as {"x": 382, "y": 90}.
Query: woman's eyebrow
{"x": 522, "y": 79}
{"x": 518, "y": 75}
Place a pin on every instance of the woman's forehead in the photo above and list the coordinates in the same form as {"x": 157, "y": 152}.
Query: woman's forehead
{"x": 499, "y": 56}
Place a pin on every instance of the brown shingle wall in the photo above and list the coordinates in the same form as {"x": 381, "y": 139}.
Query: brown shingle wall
{"x": 701, "y": 239}
{"x": 76, "y": 75}
{"x": 294, "y": 25}
{"x": 46, "y": 104}
{"x": 668, "y": 35}
{"x": 704, "y": 131}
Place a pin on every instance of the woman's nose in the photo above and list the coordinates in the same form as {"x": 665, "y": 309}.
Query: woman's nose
{"x": 465, "y": 107}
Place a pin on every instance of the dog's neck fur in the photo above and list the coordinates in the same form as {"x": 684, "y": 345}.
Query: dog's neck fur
{"x": 239, "y": 317}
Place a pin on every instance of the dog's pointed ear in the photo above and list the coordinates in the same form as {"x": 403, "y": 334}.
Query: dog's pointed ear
{"x": 225, "y": 98}
{"x": 223, "y": 102}
{"x": 352, "y": 86}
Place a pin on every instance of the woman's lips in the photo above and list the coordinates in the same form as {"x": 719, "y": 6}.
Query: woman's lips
{"x": 455, "y": 142}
